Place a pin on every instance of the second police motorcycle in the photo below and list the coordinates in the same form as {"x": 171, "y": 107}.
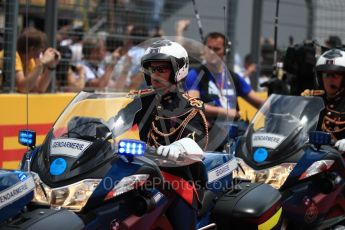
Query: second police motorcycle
{"x": 281, "y": 147}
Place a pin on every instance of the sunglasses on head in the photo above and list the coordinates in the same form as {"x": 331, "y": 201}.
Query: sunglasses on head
{"x": 160, "y": 68}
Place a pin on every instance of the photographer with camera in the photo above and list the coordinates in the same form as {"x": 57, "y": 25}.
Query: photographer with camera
{"x": 300, "y": 60}
{"x": 98, "y": 69}
{"x": 33, "y": 62}
{"x": 70, "y": 77}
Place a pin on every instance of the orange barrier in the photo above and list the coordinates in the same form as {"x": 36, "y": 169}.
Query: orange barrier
{"x": 43, "y": 111}
{"x": 246, "y": 110}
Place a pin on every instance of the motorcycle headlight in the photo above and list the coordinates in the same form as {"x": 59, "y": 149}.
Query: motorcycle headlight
{"x": 275, "y": 176}
{"x": 73, "y": 196}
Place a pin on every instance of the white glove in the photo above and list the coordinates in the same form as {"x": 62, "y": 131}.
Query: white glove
{"x": 340, "y": 145}
{"x": 184, "y": 146}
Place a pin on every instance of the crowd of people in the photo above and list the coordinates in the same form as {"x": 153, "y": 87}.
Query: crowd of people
{"x": 34, "y": 63}
{"x": 89, "y": 62}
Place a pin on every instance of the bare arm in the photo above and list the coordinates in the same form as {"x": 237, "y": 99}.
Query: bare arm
{"x": 103, "y": 80}
{"x": 76, "y": 83}
{"x": 214, "y": 111}
{"x": 25, "y": 84}
{"x": 253, "y": 98}
{"x": 121, "y": 80}
{"x": 43, "y": 81}
{"x": 181, "y": 26}
{"x": 38, "y": 79}
{"x": 50, "y": 59}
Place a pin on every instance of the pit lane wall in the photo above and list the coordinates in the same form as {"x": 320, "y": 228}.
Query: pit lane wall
{"x": 43, "y": 111}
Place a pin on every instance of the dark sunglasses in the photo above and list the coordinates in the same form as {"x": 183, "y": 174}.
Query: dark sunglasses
{"x": 331, "y": 74}
{"x": 160, "y": 68}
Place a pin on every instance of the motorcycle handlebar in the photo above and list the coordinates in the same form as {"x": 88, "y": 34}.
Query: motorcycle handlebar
{"x": 183, "y": 159}
{"x": 151, "y": 150}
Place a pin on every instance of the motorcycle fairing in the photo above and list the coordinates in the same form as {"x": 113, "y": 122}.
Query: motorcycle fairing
{"x": 219, "y": 168}
{"x": 309, "y": 157}
{"x": 84, "y": 138}
{"x": 16, "y": 190}
{"x": 281, "y": 127}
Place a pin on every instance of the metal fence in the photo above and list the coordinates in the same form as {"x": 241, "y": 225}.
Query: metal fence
{"x": 75, "y": 21}
{"x": 69, "y": 22}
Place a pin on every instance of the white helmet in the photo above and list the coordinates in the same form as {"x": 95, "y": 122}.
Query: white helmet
{"x": 331, "y": 60}
{"x": 166, "y": 50}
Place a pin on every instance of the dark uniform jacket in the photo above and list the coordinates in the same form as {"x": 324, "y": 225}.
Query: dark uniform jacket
{"x": 166, "y": 119}
{"x": 332, "y": 117}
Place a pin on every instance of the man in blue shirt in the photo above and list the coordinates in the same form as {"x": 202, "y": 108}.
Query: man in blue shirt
{"x": 212, "y": 83}
{"x": 216, "y": 89}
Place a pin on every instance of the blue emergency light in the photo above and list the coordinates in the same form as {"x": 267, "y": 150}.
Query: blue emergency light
{"x": 27, "y": 137}
{"x": 130, "y": 147}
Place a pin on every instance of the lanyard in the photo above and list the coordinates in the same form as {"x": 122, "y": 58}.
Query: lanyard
{"x": 220, "y": 84}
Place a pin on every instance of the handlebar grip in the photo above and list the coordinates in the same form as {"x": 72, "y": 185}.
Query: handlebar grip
{"x": 151, "y": 150}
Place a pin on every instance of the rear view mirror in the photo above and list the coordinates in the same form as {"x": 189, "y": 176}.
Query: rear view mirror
{"x": 27, "y": 137}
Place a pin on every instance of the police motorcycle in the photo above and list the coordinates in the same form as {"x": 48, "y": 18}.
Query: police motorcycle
{"x": 89, "y": 173}
{"x": 280, "y": 148}
{"x": 16, "y": 191}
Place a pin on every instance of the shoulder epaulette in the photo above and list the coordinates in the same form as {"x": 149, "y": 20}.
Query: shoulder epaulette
{"x": 194, "y": 102}
{"x": 140, "y": 92}
{"x": 312, "y": 92}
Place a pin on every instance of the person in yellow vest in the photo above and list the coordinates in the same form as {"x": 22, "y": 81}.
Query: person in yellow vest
{"x": 33, "y": 62}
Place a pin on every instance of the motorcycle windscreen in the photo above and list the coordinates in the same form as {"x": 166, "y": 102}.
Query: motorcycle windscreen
{"x": 85, "y": 135}
{"x": 280, "y": 128}
{"x": 107, "y": 109}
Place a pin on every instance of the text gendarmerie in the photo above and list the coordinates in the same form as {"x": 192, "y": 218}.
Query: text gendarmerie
{"x": 66, "y": 144}
{"x": 13, "y": 193}
{"x": 267, "y": 138}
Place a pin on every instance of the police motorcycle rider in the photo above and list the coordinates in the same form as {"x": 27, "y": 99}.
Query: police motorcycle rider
{"x": 172, "y": 121}
{"x": 330, "y": 71}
